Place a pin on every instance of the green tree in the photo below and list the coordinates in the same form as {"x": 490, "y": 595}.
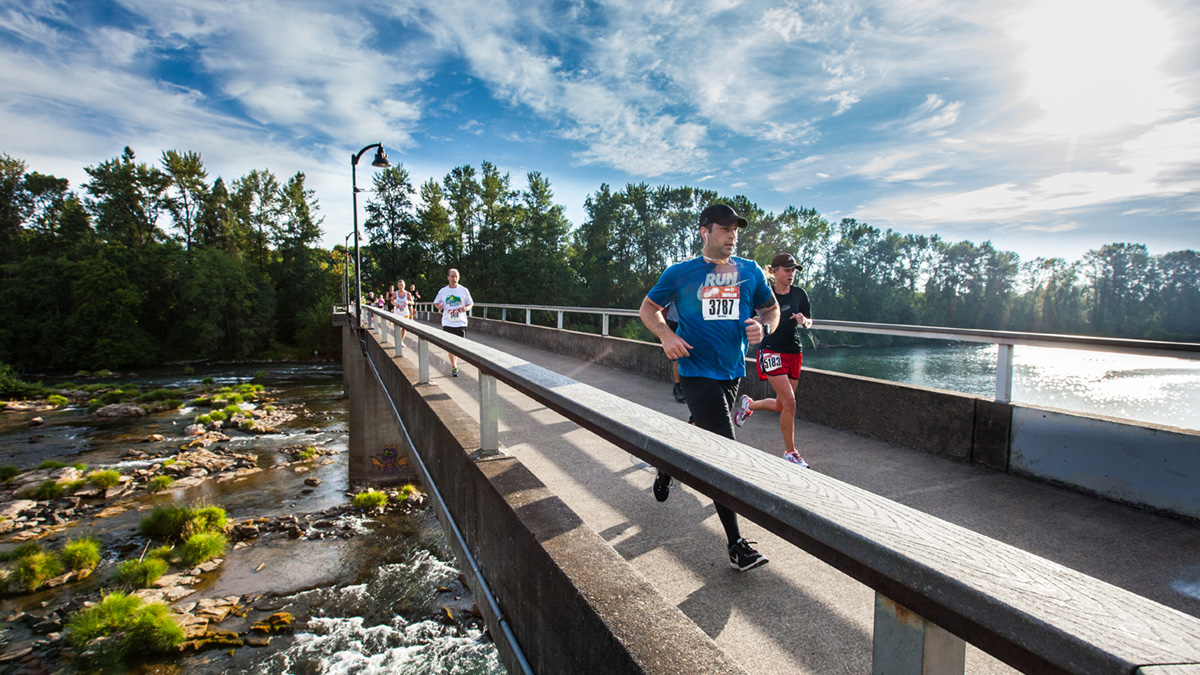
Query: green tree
{"x": 127, "y": 199}
{"x": 258, "y": 203}
{"x": 187, "y": 192}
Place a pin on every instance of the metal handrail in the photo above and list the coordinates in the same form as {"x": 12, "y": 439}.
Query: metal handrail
{"x": 1029, "y": 612}
{"x": 1005, "y": 340}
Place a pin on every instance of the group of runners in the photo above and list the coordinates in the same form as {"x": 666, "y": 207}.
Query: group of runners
{"x": 719, "y": 304}
{"x": 705, "y": 312}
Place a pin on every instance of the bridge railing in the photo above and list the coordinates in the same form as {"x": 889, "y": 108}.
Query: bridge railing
{"x": 1005, "y": 340}
{"x": 937, "y": 585}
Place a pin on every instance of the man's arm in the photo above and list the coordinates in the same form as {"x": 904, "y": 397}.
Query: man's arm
{"x": 652, "y": 317}
{"x": 767, "y": 316}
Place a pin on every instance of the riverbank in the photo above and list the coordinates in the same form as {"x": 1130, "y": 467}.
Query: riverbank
{"x": 296, "y": 546}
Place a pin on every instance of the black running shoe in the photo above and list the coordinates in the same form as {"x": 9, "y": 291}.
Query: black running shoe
{"x": 662, "y": 487}
{"x": 678, "y": 391}
{"x": 742, "y": 557}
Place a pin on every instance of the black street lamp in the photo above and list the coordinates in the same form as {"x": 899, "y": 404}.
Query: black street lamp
{"x": 346, "y": 272}
{"x": 381, "y": 161}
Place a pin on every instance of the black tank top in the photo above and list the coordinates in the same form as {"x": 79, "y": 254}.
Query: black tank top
{"x": 786, "y": 338}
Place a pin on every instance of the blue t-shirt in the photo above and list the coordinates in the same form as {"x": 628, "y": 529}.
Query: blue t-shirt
{"x": 714, "y": 301}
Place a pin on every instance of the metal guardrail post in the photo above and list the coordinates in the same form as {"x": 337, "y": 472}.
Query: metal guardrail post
{"x": 422, "y": 360}
{"x": 906, "y": 644}
{"x": 604, "y": 329}
{"x": 1004, "y": 372}
{"x": 527, "y": 313}
{"x": 489, "y": 414}
{"x": 504, "y": 314}
{"x": 560, "y": 319}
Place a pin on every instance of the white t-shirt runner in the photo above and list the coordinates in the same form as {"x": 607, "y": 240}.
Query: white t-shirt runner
{"x": 454, "y": 303}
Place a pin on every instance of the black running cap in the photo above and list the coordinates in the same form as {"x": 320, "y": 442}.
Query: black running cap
{"x": 785, "y": 260}
{"x": 722, "y": 214}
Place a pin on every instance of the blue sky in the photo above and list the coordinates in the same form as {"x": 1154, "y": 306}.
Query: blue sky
{"x": 1049, "y": 127}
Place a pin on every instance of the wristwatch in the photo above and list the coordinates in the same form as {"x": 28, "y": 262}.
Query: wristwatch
{"x": 766, "y": 328}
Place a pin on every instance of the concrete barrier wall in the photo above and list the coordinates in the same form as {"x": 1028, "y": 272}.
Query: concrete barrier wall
{"x": 1152, "y": 466}
{"x": 574, "y": 604}
{"x": 1139, "y": 464}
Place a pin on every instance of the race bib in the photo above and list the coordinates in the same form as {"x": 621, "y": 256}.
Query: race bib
{"x": 771, "y": 361}
{"x": 455, "y": 313}
{"x": 719, "y": 303}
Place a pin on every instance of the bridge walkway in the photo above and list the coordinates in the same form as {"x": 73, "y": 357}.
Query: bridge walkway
{"x": 797, "y": 614}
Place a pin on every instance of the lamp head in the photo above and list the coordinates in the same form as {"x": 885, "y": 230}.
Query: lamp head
{"x": 381, "y": 159}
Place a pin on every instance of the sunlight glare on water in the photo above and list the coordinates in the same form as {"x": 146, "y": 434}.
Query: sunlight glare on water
{"x": 1157, "y": 390}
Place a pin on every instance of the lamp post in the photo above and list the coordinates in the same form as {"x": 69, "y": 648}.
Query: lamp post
{"x": 381, "y": 161}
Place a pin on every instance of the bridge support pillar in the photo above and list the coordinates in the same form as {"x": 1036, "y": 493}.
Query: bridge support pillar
{"x": 379, "y": 455}
{"x": 906, "y": 644}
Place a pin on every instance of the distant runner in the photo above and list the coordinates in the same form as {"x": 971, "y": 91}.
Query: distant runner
{"x": 716, "y": 295}
{"x": 454, "y": 301}
{"x": 780, "y": 355}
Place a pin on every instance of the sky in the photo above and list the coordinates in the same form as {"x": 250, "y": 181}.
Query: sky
{"x": 1048, "y": 127}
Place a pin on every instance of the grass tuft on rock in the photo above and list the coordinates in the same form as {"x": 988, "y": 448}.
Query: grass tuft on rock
{"x": 104, "y": 478}
{"x": 49, "y": 490}
{"x": 141, "y": 573}
{"x": 370, "y": 499}
{"x": 159, "y": 483}
{"x": 175, "y": 523}
{"x": 57, "y": 401}
{"x": 34, "y": 570}
{"x": 8, "y": 472}
{"x": 200, "y": 548}
{"x": 134, "y": 628}
{"x": 81, "y": 554}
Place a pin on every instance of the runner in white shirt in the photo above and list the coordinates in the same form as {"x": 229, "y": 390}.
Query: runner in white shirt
{"x": 454, "y": 301}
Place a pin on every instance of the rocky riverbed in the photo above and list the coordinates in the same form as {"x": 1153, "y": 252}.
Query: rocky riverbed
{"x": 307, "y": 582}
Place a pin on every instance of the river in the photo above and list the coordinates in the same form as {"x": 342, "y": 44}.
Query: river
{"x": 1157, "y": 390}
{"x": 388, "y": 599}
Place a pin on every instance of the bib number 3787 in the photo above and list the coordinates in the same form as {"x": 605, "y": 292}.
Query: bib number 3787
{"x": 719, "y": 303}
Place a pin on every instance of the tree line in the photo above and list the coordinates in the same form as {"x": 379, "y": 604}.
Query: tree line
{"x": 149, "y": 262}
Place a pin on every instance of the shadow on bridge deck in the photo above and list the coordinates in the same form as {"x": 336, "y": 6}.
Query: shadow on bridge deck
{"x": 798, "y": 615}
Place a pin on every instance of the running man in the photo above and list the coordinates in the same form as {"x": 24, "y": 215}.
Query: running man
{"x": 454, "y": 302}
{"x": 716, "y": 295}
{"x": 780, "y": 355}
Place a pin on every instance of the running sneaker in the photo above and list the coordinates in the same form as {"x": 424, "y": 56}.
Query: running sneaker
{"x": 743, "y": 410}
{"x": 795, "y": 458}
{"x": 742, "y": 557}
{"x": 662, "y": 487}
{"x": 454, "y": 372}
{"x": 678, "y": 391}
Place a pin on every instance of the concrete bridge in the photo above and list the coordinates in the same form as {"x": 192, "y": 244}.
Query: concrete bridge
{"x": 925, "y": 554}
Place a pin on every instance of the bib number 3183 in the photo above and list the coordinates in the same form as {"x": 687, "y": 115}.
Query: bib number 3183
{"x": 719, "y": 303}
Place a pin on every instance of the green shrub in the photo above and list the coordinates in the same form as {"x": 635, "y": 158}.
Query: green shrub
{"x": 49, "y": 490}
{"x": 246, "y": 425}
{"x": 69, "y": 386}
{"x": 169, "y": 462}
{"x": 202, "y": 402}
{"x": 34, "y": 570}
{"x": 204, "y": 419}
{"x": 12, "y": 386}
{"x": 82, "y": 373}
{"x": 268, "y": 408}
{"x": 236, "y": 399}
{"x": 159, "y": 483}
{"x": 73, "y": 485}
{"x": 202, "y": 547}
{"x": 258, "y": 375}
{"x": 370, "y": 499}
{"x": 138, "y": 628}
{"x": 141, "y": 573}
{"x": 207, "y": 380}
{"x": 158, "y": 394}
{"x": 232, "y": 410}
{"x": 80, "y": 465}
{"x": 112, "y": 397}
{"x": 7, "y": 472}
{"x": 81, "y": 554}
{"x": 102, "y": 373}
{"x": 308, "y": 453}
{"x": 95, "y": 387}
{"x": 58, "y": 401}
{"x": 52, "y": 464}
{"x": 94, "y": 405}
{"x": 169, "y": 404}
{"x": 188, "y": 370}
{"x": 211, "y": 519}
{"x": 104, "y": 478}
{"x": 163, "y": 553}
{"x": 217, "y": 416}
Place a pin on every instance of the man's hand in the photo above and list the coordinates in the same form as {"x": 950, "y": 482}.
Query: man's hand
{"x": 804, "y": 321}
{"x": 754, "y": 331}
{"x": 674, "y": 346}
